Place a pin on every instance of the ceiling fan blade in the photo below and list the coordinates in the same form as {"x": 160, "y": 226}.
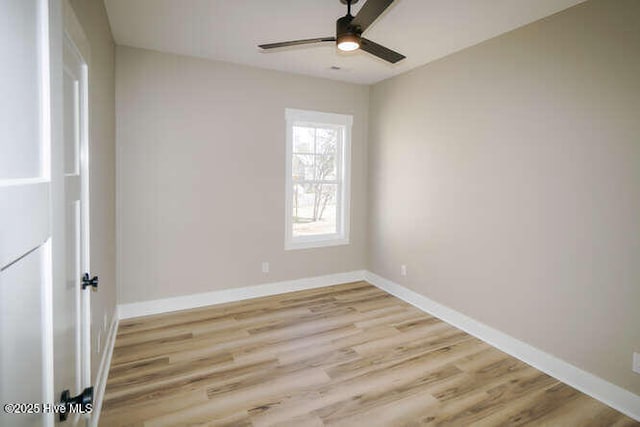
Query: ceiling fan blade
{"x": 370, "y": 12}
{"x": 297, "y": 42}
{"x": 380, "y": 51}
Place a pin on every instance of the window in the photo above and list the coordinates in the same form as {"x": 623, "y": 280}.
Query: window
{"x": 318, "y": 171}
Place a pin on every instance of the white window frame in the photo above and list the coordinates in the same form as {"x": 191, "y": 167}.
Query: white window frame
{"x": 293, "y": 118}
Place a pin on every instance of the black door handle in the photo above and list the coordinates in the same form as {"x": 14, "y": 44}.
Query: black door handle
{"x": 81, "y": 404}
{"x": 86, "y": 281}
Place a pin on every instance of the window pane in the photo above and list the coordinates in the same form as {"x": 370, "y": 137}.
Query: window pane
{"x": 303, "y": 167}
{"x": 327, "y": 141}
{"x": 326, "y": 167}
{"x": 303, "y": 139}
{"x": 314, "y": 209}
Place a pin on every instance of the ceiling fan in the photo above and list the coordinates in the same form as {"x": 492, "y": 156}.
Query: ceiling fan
{"x": 349, "y": 31}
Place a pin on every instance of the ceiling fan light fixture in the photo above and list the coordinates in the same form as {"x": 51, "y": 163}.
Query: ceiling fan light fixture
{"x": 348, "y": 42}
{"x": 349, "y": 31}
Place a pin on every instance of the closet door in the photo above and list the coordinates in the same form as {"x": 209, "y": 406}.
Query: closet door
{"x": 25, "y": 188}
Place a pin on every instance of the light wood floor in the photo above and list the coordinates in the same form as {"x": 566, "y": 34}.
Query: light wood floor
{"x": 349, "y": 355}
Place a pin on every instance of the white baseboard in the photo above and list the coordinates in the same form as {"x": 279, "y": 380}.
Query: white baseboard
{"x": 103, "y": 370}
{"x": 185, "y": 302}
{"x": 604, "y": 391}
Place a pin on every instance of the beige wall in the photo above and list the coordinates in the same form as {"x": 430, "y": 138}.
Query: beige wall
{"x": 93, "y": 17}
{"x": 507, "y": 178}
{"x": 201, "y": 170}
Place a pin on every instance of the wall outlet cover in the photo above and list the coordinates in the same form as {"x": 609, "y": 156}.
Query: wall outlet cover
{"x": 403, "y": 270}
{"x": 636, "y": 362}
{"x": 265, "y": 267}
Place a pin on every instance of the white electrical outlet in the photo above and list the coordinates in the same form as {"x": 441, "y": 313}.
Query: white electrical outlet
{"x": 403, "y": 270}
{"x": 265, "y": 267}
{"x": 99, "y": 341}
{"x": 636, "y": 362}
{"x": 104, "y": 322}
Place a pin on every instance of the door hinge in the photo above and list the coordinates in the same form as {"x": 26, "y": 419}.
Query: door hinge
{"x": 86, "y": 281}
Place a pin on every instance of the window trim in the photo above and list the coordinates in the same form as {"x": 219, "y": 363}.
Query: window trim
{"x": 294, "y": 116}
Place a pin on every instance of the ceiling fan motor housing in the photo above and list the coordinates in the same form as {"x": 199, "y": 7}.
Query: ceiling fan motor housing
{"x": 346, "y": 31}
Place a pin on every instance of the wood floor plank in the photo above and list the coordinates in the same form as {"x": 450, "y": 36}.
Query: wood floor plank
{"x": 584, "y": 411}
{"x": 401, "y": 412}
{"x": 239, "y": 309}
{"x": 343, "y": 355}
{"x": 385, "y": 396}
{"x": 337, "y": 391}
{"x": 510, "y": 388}
{"x": 542, "y": 404}
{"x": 216, "y": 377}
{"x": 163, "y": 374}
{"x": 233, "y": 399}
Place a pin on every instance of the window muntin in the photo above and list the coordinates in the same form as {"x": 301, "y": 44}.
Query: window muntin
{"x": 318, "y": 147}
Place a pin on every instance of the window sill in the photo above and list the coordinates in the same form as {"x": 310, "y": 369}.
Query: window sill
{"x": 318, "y": 242}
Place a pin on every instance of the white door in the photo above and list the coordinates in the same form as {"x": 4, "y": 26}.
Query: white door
{"x": 43, "y": 248}
{"x": 25, "y": 188}
{"x": 70, "y": 301}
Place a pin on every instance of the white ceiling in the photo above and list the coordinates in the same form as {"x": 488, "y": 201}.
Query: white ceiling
{"x": 230, "y": 30}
